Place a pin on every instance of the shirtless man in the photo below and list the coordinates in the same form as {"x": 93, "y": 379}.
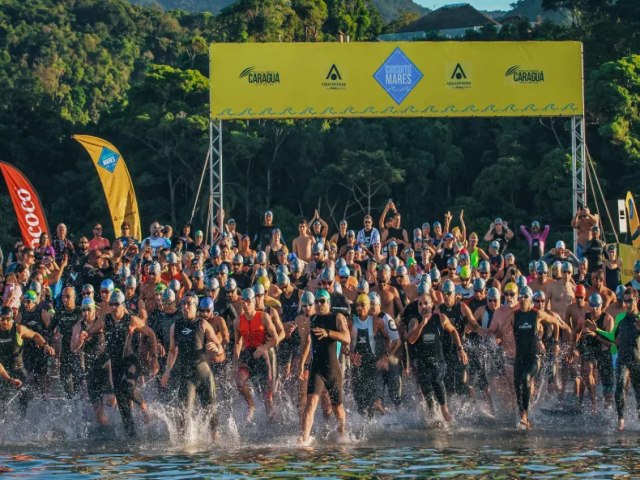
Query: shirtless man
{"x": 583, "y": 222}
{"x": 541, "y": 281}
{"x": 560, "y": 293}
{"x": 148, "y": 289}
{"x": 389, "y": 296}
{"x": 598, "y": 286}
{"x": 410, "y": 289}
{"x": 303, "y": 243}
{"x": 574, "y": 317}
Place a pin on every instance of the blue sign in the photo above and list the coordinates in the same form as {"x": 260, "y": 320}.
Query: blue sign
{"x": 398, "y": 75}
{"x": 108, "y": 159}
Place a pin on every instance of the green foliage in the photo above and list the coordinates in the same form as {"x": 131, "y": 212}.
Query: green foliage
{"x": 137, "y": 77}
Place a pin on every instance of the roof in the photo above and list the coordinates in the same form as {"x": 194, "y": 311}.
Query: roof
{"x": 461, "y": 15}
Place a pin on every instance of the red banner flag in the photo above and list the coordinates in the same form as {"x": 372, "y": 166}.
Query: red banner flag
{"x": 27, "y": 205}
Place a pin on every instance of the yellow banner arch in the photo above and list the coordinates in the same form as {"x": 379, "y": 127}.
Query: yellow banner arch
{"x": 395, "y": 79}
{"x": 116, "y": 183}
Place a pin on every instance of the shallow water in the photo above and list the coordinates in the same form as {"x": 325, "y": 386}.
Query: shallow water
{"x": 62, "y": 441}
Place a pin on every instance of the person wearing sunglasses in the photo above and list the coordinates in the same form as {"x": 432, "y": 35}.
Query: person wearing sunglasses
{"x": 192, "y": 343}
{"x": 119, "y": 327}
{"x": 31, "y": 315}
{"x": 527, "y": 327}
{"x": 594, "y": 353}
{"x": 427, "y": 333}
{"x": 12, "y": 337}
{"x": 624, "y": 340}
{"x": 328, "y": 332}
{"x": 91, "y": 348}
{"x": 254, "y": 334}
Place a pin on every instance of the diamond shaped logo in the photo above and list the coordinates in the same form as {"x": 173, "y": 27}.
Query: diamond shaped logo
{"x": 108, "y": 159}
{"x": 398, "y": 75}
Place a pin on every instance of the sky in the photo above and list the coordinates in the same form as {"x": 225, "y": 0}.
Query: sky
{"x": 479, "y": 4}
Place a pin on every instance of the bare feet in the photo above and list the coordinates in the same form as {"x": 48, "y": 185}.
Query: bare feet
{"x": 621, "y": 425}
{"x": 445, "y": 413}
{"x": 378, "y": 407}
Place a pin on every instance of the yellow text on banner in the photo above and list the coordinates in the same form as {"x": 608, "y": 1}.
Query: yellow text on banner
{"x": 116, "y": 182}
{"x": 396, "y": 79}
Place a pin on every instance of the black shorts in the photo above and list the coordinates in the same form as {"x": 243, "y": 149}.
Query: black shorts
{"x": 318, "y": 381}
{"x": 257, "y": 369}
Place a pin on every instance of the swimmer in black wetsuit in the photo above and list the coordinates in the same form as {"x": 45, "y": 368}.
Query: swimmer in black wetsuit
{"x": 327, "y": 333}
{"x": 427, "y": 334}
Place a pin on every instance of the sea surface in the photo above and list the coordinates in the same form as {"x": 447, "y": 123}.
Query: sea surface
{"x": 60, "y": 440}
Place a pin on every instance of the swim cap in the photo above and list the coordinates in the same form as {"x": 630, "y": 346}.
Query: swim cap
{"x": 30, "y": 295}
{"x": 374, "y": 298}
{"x": 566, "y": 267}
{"x": 341, "y": 262}
{"x": 539, "y": 295}
{"x": 168, "y": 296}
{"x": 595, "y": 300}
{"x": 363, "y": 286}
{"x": 521, "y": 281}
{"x": 258, "y": 289}
{"x": 88, "y": 302}
{"x": 131, "y": 282}
{"x": 401, "y": 271}
{"x": 318, "y": 247}
{"x": 307, "y": 298}
{"x": 198, "y": 274}
{"x": 237, "y": 258}
{"x": 212, "y": 283}
{"x": 248, "y": 294}
{"x": 484, "y": 267}
{"x": 495, "y": 245}
{"x": 261, "y": 257}
{"x": 155, "y": 268}
{"x": 327, "y": 275}
{"x": 231, "y": 285}
{"x": 362, "y": 298}
{"x": 282, "y": 279}
{"x": 175, "y": 285}
{"x": 560, "y": 245}
{"x": 448, "y": 287}
{"x": 323, "y": 294}
{"x": 452, "y": 262}
{"x": 214, "y": 252}
{"x": 161, "y": 287}
{"x": 206, "y": 304}
{"x": 511, "y": 287}
{"x": 493, "y": 294}
{"x": 479, "y": 284}
{"x": 344, "y": 272}
{"x": 222, "y": 269}
{"x": 265, "y": 282}
{"x": 542, "y": 267}
{"x": 465, "y": 272}
{"x": 620, "y": 291}
{"x": 434, "y": 273}
{"x": 532, "y": 265}
{"x": 172, "y": 259}
{"x": 117, "y": 297}
{"x": 37, "y": 287}
{"x": 107, "y": 285}
{"x": 282, "y": 269}
{"x": 580, "y": 291}
{"x": 525, "y": 292}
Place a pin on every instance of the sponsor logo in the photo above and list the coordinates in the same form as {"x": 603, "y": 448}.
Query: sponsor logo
{"x": 108, "y": 159}
{"x": 520, "y": 75}
{"x": 398, "y": 75}
{"x": 31, "y": 219}
{"x": 333, "y": 80}
{"x": 458, "y": 78}
{"x": 260, "y": 77}
{"x": 186, "y": 331}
